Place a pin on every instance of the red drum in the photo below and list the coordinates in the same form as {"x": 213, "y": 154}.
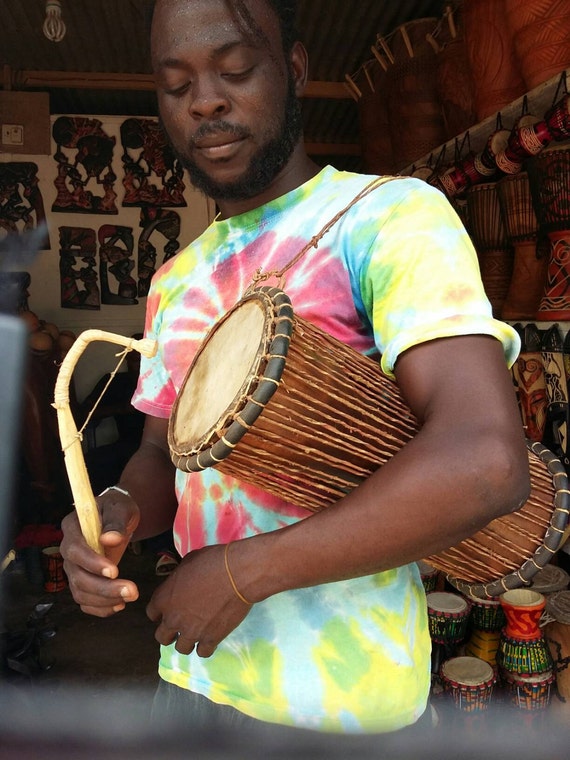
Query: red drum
{"x": 531, "y": 383}
{"x": 523, "y": 609}
{"x": 54, "y": 574}
{"x": 448, "y": 615}
{"x": 549, "y": 177}
{"x": 529, "y": 266}
{"x": 558, "y": 119}
{"x": 529, "y": 692}
{"x": 469, "y": 681}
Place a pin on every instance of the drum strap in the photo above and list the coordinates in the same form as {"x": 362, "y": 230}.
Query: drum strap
{"x": 260, "y": 276}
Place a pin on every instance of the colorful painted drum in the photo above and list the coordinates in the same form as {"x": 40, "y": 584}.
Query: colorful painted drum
{"x": 523, "y": 609}
{"x": 429, "y": 576}
{"x": 523, "y": 656}
{"x": 529, "y": 692}
{"x": 486, "y": 614}
{"x": 469, "y": 681}
{"x": 484, "y": 645}
{"x": 448, "y": 615}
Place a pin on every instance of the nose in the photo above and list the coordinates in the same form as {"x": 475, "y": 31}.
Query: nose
{"x": 209, "y": 98}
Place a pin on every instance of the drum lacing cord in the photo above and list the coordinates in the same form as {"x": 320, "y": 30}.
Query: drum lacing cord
{"x": 279, "y": 274}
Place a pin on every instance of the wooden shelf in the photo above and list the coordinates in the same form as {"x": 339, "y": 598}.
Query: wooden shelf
{"x": 539, "y": 100}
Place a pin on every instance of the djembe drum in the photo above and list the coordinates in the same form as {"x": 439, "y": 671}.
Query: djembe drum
{"x": 448, "y": 615}
{"x": 529, "y": 266}
{"x": 486, "y": 622}
{"x": 530, "y": 692}
{"x": 549, "y": 177}
{"x": 274, "y": 401}
{"x": 488, "y": 230}
{"x": 469, "y": 682}
{"x": 523, "y": 650}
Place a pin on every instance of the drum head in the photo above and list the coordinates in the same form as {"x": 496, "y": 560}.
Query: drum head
{"x": 467, "y": 670}
{"x": 445, "y": 601}
{"x": 232, "y": 377}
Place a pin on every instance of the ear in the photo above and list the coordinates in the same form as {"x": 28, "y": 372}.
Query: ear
{"x": 299, "y": 62}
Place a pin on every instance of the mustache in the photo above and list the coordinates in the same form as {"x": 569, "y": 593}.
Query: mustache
{"x": 207, "y": 129}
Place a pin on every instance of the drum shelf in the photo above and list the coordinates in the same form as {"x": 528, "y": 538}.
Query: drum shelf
{"x": 538, "y": 100}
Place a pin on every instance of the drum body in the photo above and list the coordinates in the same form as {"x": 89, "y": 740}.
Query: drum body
{"x": 523, "y": 609}
{"x": 486, "y": 614}
{"x": 429, "y": 576}
{"x": 549, "y": 176}
{"x": 489, "y": 234}
{"x": 529, "y": 692}
{"x": 272, "y": 400}
{"x": 448, "y": 615}
{"x": 469, "y": 681}
{"x": 529, "y": 266}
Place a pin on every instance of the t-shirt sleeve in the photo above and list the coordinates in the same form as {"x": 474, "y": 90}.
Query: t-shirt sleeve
{"x": 421, "y": 279}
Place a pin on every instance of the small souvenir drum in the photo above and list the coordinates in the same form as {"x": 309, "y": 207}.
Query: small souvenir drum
{"x": 448, "y": 615}
{"x": 469, "y": 681}
{"x": 484, "y": 644}
{"x": 529, "y": 692}
{"x": 274, "y": 401}
{"x": 557, "y": 633}
{"x": 54, "y": 574}
{"x": 523, "y": 609}
{"x": 486, "y": 614}
{"x": 558, "y": 119}
{"x": 429, "y": 576}
{"x": 527, "y": 657}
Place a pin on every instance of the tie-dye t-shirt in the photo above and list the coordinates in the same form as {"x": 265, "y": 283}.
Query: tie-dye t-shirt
{"x": 396, "y": 270}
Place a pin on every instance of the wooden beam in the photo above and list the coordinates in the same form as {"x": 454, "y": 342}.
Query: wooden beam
{"x": 332, "y": 149}
{"x": 93, "y": 80}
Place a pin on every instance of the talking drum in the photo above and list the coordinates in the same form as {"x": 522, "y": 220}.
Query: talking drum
{"x": 469, "y": 681}
{"x": 276, "y": 402}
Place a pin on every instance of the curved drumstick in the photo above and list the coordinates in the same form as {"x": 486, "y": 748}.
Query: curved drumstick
{"x": 83, "y": 498}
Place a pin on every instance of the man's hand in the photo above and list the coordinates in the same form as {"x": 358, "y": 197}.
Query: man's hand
{"x": 93, "y": 578}
{"x": 196, "y": 605}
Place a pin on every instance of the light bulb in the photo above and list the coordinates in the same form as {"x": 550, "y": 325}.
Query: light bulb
{"x": 54, "y": 27}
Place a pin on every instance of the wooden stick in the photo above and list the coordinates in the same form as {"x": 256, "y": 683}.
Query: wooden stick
{"x": 379, "y": 58}
{"x": 353, "y": 86}
{"x": 84, "y": 500}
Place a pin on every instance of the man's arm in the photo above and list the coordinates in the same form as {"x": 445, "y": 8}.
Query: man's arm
{"x": 467, "y": 465}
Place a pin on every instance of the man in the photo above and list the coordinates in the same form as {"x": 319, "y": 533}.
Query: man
{"x": 318, "y": 623}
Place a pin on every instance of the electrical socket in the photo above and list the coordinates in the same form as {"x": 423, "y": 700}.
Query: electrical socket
{"x": 12, "y": 134}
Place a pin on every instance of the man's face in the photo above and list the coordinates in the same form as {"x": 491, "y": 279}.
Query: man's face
{"x": 226, "y": 94}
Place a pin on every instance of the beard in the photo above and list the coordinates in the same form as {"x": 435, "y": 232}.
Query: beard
{"x": 264, "y": 166}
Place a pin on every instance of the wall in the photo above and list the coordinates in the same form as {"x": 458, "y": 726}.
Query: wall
{"x": 45, "y": 289}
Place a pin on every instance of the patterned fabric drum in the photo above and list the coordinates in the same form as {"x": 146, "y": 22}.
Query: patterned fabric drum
{"x": 429, "y": 576}
{"x": 486, "y": 614}
{"x": 274, "y": 401}
{"x": 529, "y": 692}
{"x": 448, "y": 615}
{"x": 469, "y": 681}
{"x": 523, "y": 656}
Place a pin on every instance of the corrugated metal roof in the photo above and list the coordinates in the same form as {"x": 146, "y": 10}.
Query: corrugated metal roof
{"x": 112, "y": 36}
